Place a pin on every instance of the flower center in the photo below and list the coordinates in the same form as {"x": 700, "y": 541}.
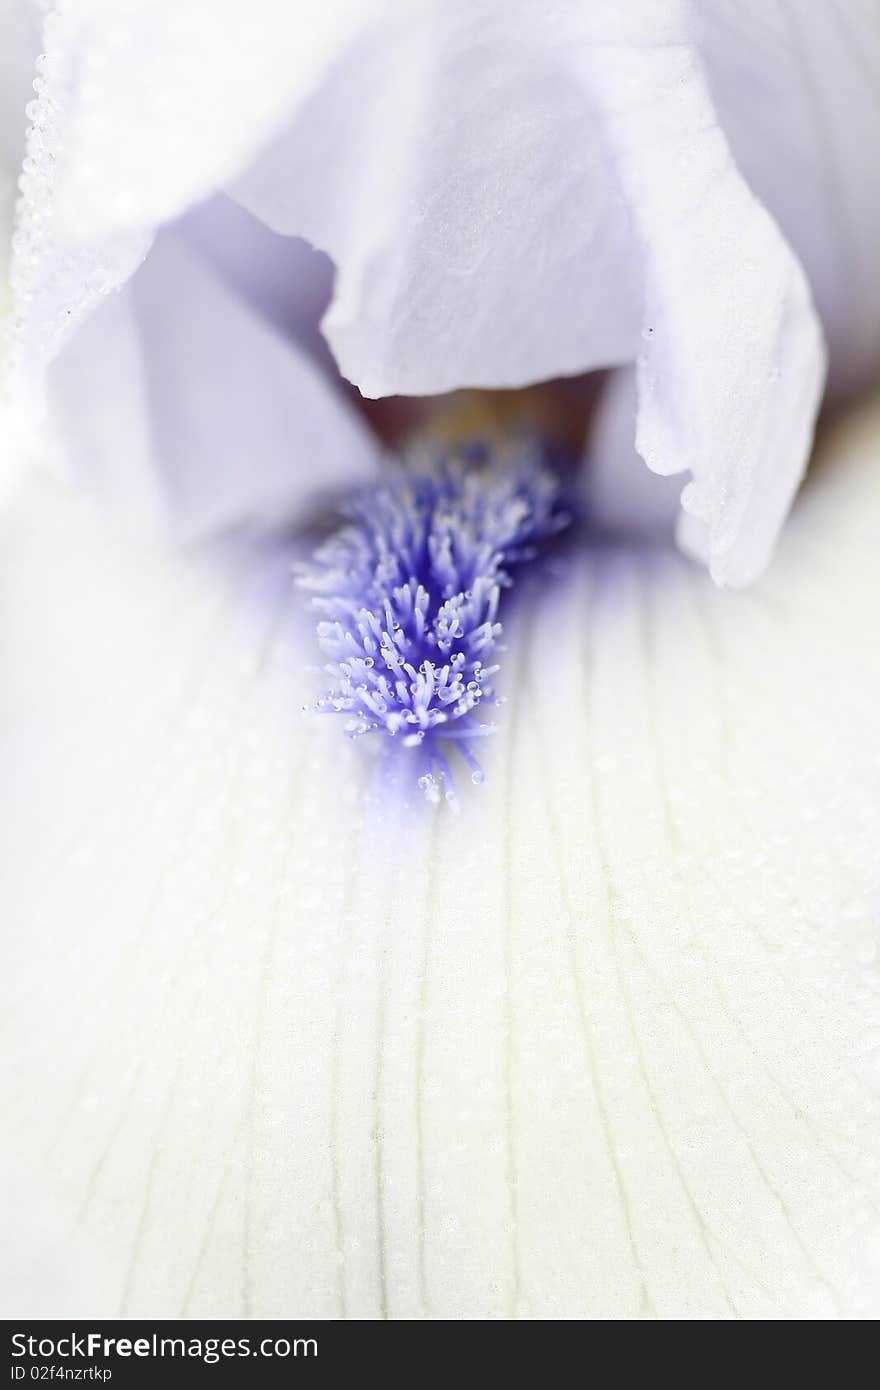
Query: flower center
{"x": 409, "y": 592}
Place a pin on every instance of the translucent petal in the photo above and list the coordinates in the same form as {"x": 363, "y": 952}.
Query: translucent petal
{"x": 185, "y": 407}
{"x": 732, "y": 366}
{"x": 604, "y": 1045}
{"x": 612, "y": 193}
{"x": 618, "y": 492}
{"x": 19, "y": 45}
{"x": 797, "y": 88}
{"x": 184, "y": 400}
{"x": 216, "y": 78}
{"x": 458, "y": 177}
{"x": 509, "y": 193}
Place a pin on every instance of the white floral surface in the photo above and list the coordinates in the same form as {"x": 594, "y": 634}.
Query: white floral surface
{"x": 606, "y": 1044}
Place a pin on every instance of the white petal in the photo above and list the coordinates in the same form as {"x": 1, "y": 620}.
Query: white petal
{"x": 618, "y": 492}
{"x": 18, "y": 49}
{"x": 180, "y": 401}
{"x": 602, "y": 1046}
{"x": 506, "y": 193}
{"x": 19, "y": 35}
{"x": 216, "y": 78}
{"x": 513, "y": 193}
{"x": 182, "y": 404}
{"x": 453, "y": 169}
{"x": 796, "y": 86}
{"x": 732, "y": 368}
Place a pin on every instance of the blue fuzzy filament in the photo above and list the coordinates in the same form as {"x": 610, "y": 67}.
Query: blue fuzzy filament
{"x": 409, "y": 593}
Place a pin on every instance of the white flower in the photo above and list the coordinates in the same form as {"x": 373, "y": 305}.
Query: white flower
{"x": 605, "y": 1044}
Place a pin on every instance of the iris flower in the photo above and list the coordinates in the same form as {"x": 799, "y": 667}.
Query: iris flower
{"x": 279, "y": 1038}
